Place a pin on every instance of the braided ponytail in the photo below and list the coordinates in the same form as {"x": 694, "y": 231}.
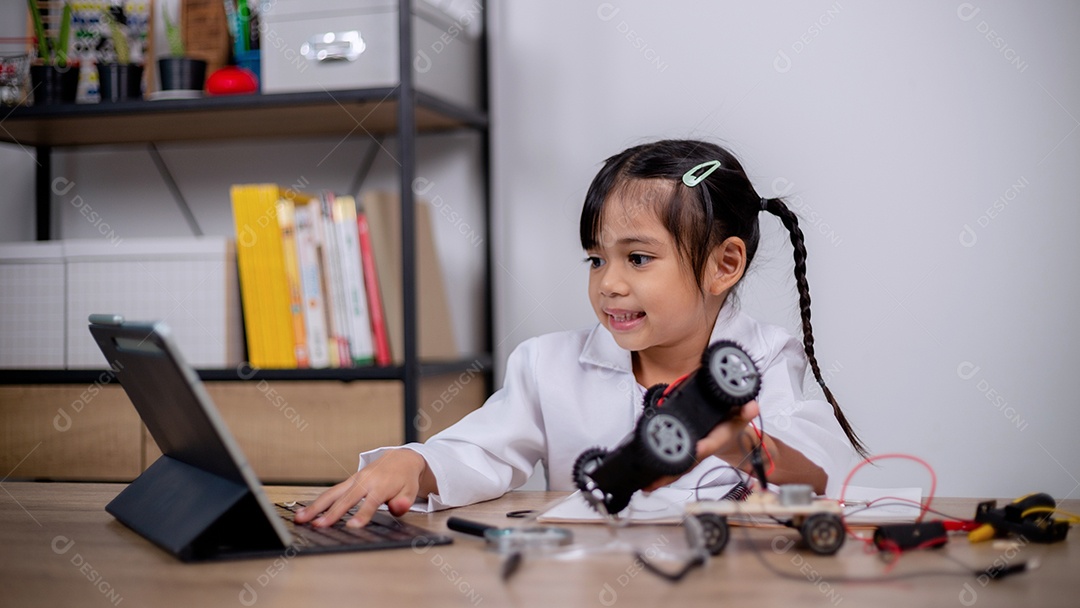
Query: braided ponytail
{"x": 777, "y": 207}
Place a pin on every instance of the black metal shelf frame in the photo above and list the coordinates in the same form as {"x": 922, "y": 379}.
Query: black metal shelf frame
{"x": 245, "y": 373}
{"x": 47, "y": 127}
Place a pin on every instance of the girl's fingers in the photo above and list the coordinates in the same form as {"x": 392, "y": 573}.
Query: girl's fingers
{"x": 356, "y": 492}
{"x": 750, "y": 410}
{"x": 721, "y": 438}
{"x": 324, "y": 500}
{"x": 395, "y": 478}
{"x": 364, "y": 513}
{"x": 333, "y": 503}
{"x": 399, "y": 505}
{"x": 397, "y": 501}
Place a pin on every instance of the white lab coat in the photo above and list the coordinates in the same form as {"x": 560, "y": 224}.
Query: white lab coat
{"x": 566, "y": 392}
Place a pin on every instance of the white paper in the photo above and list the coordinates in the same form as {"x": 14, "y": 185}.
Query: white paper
{"x": 881, "y": 505}
{"x": 666, "y": 505}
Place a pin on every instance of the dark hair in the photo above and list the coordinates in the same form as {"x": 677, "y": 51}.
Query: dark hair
{"x": 700, "y": 218}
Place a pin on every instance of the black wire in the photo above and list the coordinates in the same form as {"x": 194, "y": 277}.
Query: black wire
{"x": 755, "y": 459}
{"x": 852, "y": 579}
{"x": 739, "y": 492}
{"x": 695, "y": 561}
{"x": 755, "y": 451}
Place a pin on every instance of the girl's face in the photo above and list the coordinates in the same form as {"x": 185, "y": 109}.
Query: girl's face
{"x": 641, "y": 289}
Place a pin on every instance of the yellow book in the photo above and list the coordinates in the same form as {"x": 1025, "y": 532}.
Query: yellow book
{"x": 270, "y": 315}
{"x": 287, "y": 222}
{"x": 281, "y": 342}
{"x": 250, "y": 254}
{"x": 249, "y": 295}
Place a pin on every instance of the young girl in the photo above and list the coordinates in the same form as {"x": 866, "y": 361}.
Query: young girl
{"x": 669, "y": 228}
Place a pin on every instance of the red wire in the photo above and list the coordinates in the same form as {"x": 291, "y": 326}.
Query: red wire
{"x": 677, "y": 382}
{"x": 933, "y": 478}
{"x": 894, "y": 551}
{"x": 764, "y": 448}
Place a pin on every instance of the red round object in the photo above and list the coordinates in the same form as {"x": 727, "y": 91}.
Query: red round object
{"x": 232, "y": 80}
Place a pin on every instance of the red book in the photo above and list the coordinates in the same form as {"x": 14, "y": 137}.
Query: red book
{"x": 374, "y": 297}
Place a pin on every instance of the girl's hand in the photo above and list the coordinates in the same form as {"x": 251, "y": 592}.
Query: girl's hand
{"x": 394, "y": 479}
{"x": 722, "y": 441}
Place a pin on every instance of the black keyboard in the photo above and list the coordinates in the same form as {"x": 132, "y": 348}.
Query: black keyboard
{"x": 382, "y": 532}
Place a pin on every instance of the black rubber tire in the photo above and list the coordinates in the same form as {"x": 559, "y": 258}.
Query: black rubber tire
{"x": 665, "y": 443}
{"x": 714, "y": 528}
{"x": 615, "y": 503}
{"x": 653, "y": 394}
{"x": 730, "y": 375}
{"x": 823, "y": 533}
{"x": 585, "y": 464}
{"x": 651, "y": 400}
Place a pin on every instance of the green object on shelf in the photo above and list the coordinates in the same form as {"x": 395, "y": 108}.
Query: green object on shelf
{"x": 52, "y": 51}
{"x": 172, "y": 33}
{"x": 243, "y": 39}
{"x": 118, "y": 31}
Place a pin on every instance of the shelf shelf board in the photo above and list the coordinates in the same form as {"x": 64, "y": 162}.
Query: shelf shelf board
{"x": 475, "y": 364}
{"x": 305, "y": 114}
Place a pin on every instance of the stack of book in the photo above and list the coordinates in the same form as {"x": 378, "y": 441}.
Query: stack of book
{"x": 320, "y": 279}
{"x": 308, "y": 282}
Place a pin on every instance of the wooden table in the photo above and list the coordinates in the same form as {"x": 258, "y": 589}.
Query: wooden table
{"x": 60, "y": 548}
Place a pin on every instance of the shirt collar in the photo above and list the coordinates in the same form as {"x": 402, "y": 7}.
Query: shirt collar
{"x": 601, "y": 350}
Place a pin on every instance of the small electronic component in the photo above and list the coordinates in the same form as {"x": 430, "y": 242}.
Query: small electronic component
{"x": 794, "y": 494}
{"x": 902, "y": 537}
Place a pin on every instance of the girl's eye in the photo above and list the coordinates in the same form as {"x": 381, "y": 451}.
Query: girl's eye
{"x": 639, "y": 259}
{"x": 594, "y": 261}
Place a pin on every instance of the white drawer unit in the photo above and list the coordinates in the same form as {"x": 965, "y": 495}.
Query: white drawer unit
{"x": 349, "y": 44}
{"x": 188, "y": 282}
{"x": 32, "y": 305}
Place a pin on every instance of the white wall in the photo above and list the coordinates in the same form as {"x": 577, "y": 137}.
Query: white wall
{"x": 894, "y": 128}
{"x": 16, "y": 164}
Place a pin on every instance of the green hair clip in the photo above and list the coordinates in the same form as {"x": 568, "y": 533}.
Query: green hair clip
{"x": 692, "y": 180}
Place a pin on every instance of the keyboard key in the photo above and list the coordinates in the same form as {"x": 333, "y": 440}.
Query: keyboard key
{"x": 307, "y": 536}
{"x": 382, "y": 531}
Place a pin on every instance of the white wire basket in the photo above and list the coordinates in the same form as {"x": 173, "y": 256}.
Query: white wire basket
{"x": 14, "y": 79}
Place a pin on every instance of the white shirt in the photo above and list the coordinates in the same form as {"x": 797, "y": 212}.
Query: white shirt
{"x": 568, "y": 391}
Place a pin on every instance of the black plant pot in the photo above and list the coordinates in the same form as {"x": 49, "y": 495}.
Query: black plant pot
{"x": 54, "y": 85}
{"x": 181, "y": 73}
{"x": 119, "y": 82}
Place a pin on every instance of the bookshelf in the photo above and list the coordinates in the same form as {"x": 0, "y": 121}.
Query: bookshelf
{"x": 401, "y": 111}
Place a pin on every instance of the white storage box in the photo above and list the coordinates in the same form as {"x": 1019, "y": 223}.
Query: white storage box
{"x": 189, "y": 283}
{"x": 353, "y": 44}
{"x": 32, "y": 305}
